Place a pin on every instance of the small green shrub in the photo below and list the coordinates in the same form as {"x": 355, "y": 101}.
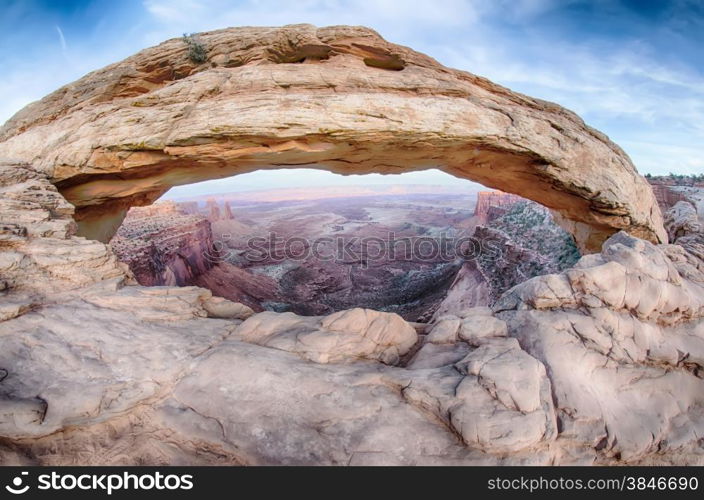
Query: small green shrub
{"x": 197, "y": 52}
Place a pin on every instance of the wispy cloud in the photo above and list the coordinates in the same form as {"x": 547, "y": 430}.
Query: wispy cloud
{"x": 62, "y": 39}
{"x": 649, "y": 101}
{"x": 620, "y": 86}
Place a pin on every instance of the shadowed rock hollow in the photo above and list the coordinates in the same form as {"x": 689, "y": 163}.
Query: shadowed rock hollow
{"x": 341, "y": 98}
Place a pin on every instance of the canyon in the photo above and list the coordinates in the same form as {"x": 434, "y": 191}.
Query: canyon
{"x": 338, "y": 253}
{"x": 163, "y": 245}
{"x": 592, "y": 354}
{"x": 380, "y": 250}
{"x": 313, "y": 256}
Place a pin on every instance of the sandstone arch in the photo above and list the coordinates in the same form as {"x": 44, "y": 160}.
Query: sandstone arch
{"x": 339, "y": 98}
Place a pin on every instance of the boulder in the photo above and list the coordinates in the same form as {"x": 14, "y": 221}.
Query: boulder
{"x": 475, "y": 330}
{"x": 444, "y": 331}
{"x": 217, "y": 307}
{"x": 342, "y": 336}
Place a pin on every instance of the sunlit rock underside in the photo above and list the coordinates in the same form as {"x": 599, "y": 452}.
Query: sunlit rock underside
{"x": 338, "y": 97}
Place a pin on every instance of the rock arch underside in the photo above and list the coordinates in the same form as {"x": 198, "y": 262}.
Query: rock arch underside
{"x": 599, "y": 364}
{"x": 340, "y": 98}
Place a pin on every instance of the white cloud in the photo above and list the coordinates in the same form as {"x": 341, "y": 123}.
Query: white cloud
{"x": 395, "y": 19}
{"x": 62, "y": 39}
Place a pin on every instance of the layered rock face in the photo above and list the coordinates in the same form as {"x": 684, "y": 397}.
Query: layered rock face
{"x": 164, "y": 246}
{"x": 38, "y": 247}
{"x": 685, "y": 226}
{"x": 493, "y": 204}
{"x": 172, "y": 244}
{"x": 341, "y": 97}
{"x": 526, "y": 243}
{"x": 632, "y": 315}
{"x": 316, "y": 256}
{"x": 519, "y": 241}
{"x": 666, "y": 196}
{"x": 389, "y": 259}
{"x": 669, "y": 191}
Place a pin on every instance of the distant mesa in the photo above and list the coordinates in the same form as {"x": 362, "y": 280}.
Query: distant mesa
{"x": 492, "y": 204}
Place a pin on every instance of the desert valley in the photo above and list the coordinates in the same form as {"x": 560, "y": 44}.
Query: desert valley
{"x": 314, "y": 252}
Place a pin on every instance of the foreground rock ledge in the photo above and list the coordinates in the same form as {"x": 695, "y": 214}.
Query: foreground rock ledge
{"x": 601, "y": 364}
{"x": 338, "y": 97}
{"x": 569, "y": 369}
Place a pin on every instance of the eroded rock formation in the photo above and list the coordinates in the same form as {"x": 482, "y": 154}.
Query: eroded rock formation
{"x": 519, "y": 241}
{"x": 666, "y": 196}
{"x": 345, "y": 335}
{"x": 598, "y": 364}
{"x": 633, "y": 317}
{"x": 213, "y": 208}
{"x": 164, "y": 246}
{"x": 39, "y": 250}
{"x": 341, "y": 97}
{"x": 188, "y": 207}
{"x": 493, "y": 204}
{"x": 227, "y": 211}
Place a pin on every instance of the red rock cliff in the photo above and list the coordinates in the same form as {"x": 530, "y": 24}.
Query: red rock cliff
{"x": 665, "y": 196}
{"x": 164, "y": 246}
{"x": 492, "y": 204}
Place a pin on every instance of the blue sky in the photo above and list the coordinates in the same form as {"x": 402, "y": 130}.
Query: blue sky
{"x": 632, "y": 68}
